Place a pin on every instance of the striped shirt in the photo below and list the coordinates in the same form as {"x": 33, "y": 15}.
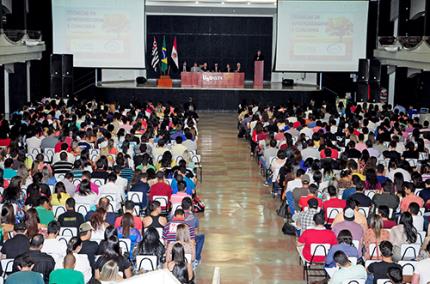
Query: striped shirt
{"x": 169, "y": 231}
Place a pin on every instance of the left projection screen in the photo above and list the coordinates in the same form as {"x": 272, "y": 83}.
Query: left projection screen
{"x": 100, "y": 33}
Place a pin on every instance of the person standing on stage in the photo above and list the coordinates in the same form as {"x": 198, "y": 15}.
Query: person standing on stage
{"x": 259, "y": 56}
{"x": 184, "y": 67}
{"x": 228, "y": 68}
{"x": 196, "y": 68}
{"x": 205, "y": 67}
{"x": 216, "y": 68}
{"x": 238, "y": 68}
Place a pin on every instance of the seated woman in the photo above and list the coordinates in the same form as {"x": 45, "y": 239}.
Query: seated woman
{"x": 85, "y": 195}
{"x": 128, "y": 231}
{"x": 110, "y": 273}
{"x": 154, "y": 219}
{"x": 404, "y": 233}
{"x": 109, "y": 232}
{"x": 7, "y": 220}
{"x": 60, "y": 196}
{"x": 151, "y": 245}
{"x": 99, "y": 224}
{"x": 182, "y": 237}
{"x": 112, "y": 253}
{"x": 179, "y": 266}
{"x": 344, "y": 239}
{"x": 374, "y": 235}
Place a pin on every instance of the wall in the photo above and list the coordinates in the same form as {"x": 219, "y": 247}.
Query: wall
{"x": 213, "y": 39}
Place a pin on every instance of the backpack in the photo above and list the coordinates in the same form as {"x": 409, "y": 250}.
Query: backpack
{"x": 289, "y": 229}
{"x": 199, "y": 205}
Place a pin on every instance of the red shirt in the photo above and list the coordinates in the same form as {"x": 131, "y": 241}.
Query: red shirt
{"x": 160, "y": 188}
{"x": 315, "y": 236}
{"x": 333, "y": 203}
{"x": 137, "y": 222}
{"x": 388, "y": 224}
{"x": 303, "y": 201}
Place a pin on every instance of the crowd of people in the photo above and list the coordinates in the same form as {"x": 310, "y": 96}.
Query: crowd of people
{"x": 354, "y": 185}
{"x": 97, "y": 193}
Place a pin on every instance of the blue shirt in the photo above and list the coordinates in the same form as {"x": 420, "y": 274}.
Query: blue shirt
{"x": 9, "y": 173}
{"x": 347, "y": 193}
{"x": 350, "y": 251}
{"x": 190, "y": 186}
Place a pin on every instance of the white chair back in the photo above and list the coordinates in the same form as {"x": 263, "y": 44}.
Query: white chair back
{"x": 83, "y": 209}
{"x": 374, "y": 250}
{"x": 420, "y": 237}
{"x": 7, "y": 265}
{"x": 409, "y": 251}
{"x": 64, "y": 239}
{"x": 319, "y": 249}
{"x": 384, "y": 281}
{"x": 68, "y": 231}
{"x": 58, "y": 210}
{"x": 364, "y": 211}
{"x": 125, "y": 245}
{"x": 332, "y": 212}
{"x": 135, "y": 196}
{"x": 408, "y": 267}
{"x": 146, "y": 262}
{"x": 98, "y": 181}
{"x": 354, "y": 281}
{"x": 162, "y": 199}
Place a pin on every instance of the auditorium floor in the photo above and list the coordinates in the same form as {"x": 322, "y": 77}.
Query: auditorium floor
{"x": 243, "y": 232}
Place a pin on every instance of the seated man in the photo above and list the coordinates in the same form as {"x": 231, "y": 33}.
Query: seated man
{"x": 17, "y": 245}
{"x": 313, "y": 192}
{"x": 181, "y": 176}
{"x": 192, "y": 221}
{"x": 410, "y": 197}
{"x": 169, "y": 231}
{"x": 44, "y": 211}
{"x": 349, "y": 224}
{"x": 359, "y": 217}
{"x": 362, "y": 199}
{"x": 70, "y": 218}
{"x": 379, "y": 269}
{"x": 160, "y": 188}
{"x": 305, "y": 219}
{"x": 110, "y": 188}
{"x": 25, "y": 265}
{"x": 177, "y": 197}
{"x": 347, "y": 271}
{"x": 67, "y": 274}
{"x": 62, "y": 166}
{"x": 89, "y": 247}
{"x": 333, "y": 202}
{"x": 316, "y": 235}
{"x": 55, "y": 248}
{"x": 43, "y": 263}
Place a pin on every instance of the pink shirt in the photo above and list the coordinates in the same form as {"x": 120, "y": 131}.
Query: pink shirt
{"x": 177, "y": 197}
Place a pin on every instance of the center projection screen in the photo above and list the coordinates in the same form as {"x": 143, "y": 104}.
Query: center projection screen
{"x": 100, "y": 33}
{"x": 320, "y": 35}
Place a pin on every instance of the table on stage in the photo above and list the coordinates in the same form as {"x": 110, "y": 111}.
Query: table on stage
{"x": 212, "y": 80}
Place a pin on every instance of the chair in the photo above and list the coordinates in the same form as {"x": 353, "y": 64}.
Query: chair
{"x": 353, "y": 260}
{"x": 77, "y": 181}
{"x": 384, "y": 281}
{"x": 98, "y": 181}
{"x": 64, "y": 239}
{"x": 36, "y": 151}
{"x": 83, "y": 209}
{"x": 422, "y": 211}
{"x": 412, "y": 162}
{"x": 364, "y": 210}
{"x": 7, "y": 266}
{"x": 316, "y": 250}
{"x": 370, "y": 193}
{"x": 59, "y": 177}
{"x": 176, "y": 206}
{"x": 58, "y": 210}
{"x": 125, "y": 245}
{"x": 332, "y": 212}
{"x": 408, "y": 267}
{"x": 68, "y": 231}
{"x": 178, "y": 159}
{"x": 135, "y": 196}
{"x": 409, "y": 251}
{"x": 49, "y": 154}
{"x": 421, "y": 237}
{"x": 163, "y": 201}
{"x": 356, "y": 244}
{"x": 146, "y": 262}
{"x": 136, "y": 210}
{"x": 354, "y": 281}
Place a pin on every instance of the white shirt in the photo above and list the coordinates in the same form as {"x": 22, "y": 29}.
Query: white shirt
{"x": 113, "y": 190}
{"x": 295, "y": 183}
{"x": 191, "y": 145}
{"x": 33, "y": 143}
{"x": 90, "y": 199}
{"x": 178, "y": 150}
{"x": 310, "y": 152}
{"x": 422, "y": 269}
{"x": 406, "y": 174}
{"x": 55, "y": 248}
{"x": 121, "y": 182}
{"x": 418, "y": 222}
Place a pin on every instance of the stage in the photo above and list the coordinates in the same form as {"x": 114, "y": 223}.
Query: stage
{"x": 208, "y": 98}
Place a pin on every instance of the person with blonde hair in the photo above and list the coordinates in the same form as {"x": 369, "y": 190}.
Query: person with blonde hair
{"x": 374, "y": 235}
{"x": 182, "y": 237}
{"x": 110, "y": 273}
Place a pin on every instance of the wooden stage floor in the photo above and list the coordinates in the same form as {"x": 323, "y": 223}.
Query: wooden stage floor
{"x": 243, "y": 232}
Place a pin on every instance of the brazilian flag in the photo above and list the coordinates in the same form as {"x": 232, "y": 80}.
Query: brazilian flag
{"x": 164, "y": 63}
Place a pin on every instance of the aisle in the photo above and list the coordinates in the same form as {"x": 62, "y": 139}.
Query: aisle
{"x": 243, "y": 232}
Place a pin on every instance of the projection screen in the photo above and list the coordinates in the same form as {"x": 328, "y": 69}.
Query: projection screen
{"x": 100, "y": 33}
{"x": 320, "y": 35}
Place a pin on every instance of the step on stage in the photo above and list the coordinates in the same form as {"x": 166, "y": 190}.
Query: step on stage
{"x": 208, "y": 98}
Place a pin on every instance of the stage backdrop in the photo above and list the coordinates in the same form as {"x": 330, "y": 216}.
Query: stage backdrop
{"x": 212, "y": 39}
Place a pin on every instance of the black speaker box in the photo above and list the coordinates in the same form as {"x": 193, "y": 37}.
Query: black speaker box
{"x": 56, "y": 86}
{"x": 67, "y": 64}
{"x": 67, "y": 86}
{"x": 363, "y": 70}
{"x": 56, "y": 64}
{"x": 288, "y": 82}
{"x": 141, "y": 80}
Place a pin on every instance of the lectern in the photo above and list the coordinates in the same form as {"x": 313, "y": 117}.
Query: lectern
{"x": 258, "y": 74}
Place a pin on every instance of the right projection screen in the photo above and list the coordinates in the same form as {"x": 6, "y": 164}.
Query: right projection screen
{"x": 319, "y": 35}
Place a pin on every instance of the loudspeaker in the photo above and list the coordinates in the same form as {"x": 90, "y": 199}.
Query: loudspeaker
{"x": 288, "y": 82}
{"x": 67, "y": 64}
{"x": 56, "y": 86}
{"x": 67, "y": 87}
{"x": 61, "y": 74}
{"x": 375, "y": 71}
{"x": 141, "y": 80}
{"x": 363, "y": 70}
{"x": 368, "y": 92}
{"x": 56, "y": 64}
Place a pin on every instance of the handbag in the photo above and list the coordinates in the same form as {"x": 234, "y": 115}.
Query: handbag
{"x": 283, "y": 210}
{"x": 289, "y": 229}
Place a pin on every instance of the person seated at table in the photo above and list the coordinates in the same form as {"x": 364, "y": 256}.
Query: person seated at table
{"x": 238, "y": 68}
{"x": 184, "y": 67}
{"x": 196, "y": 68}
{"x": 216, "y": 68}
{"x": 228, "y": 68}
{"x": 205, "y": 67}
